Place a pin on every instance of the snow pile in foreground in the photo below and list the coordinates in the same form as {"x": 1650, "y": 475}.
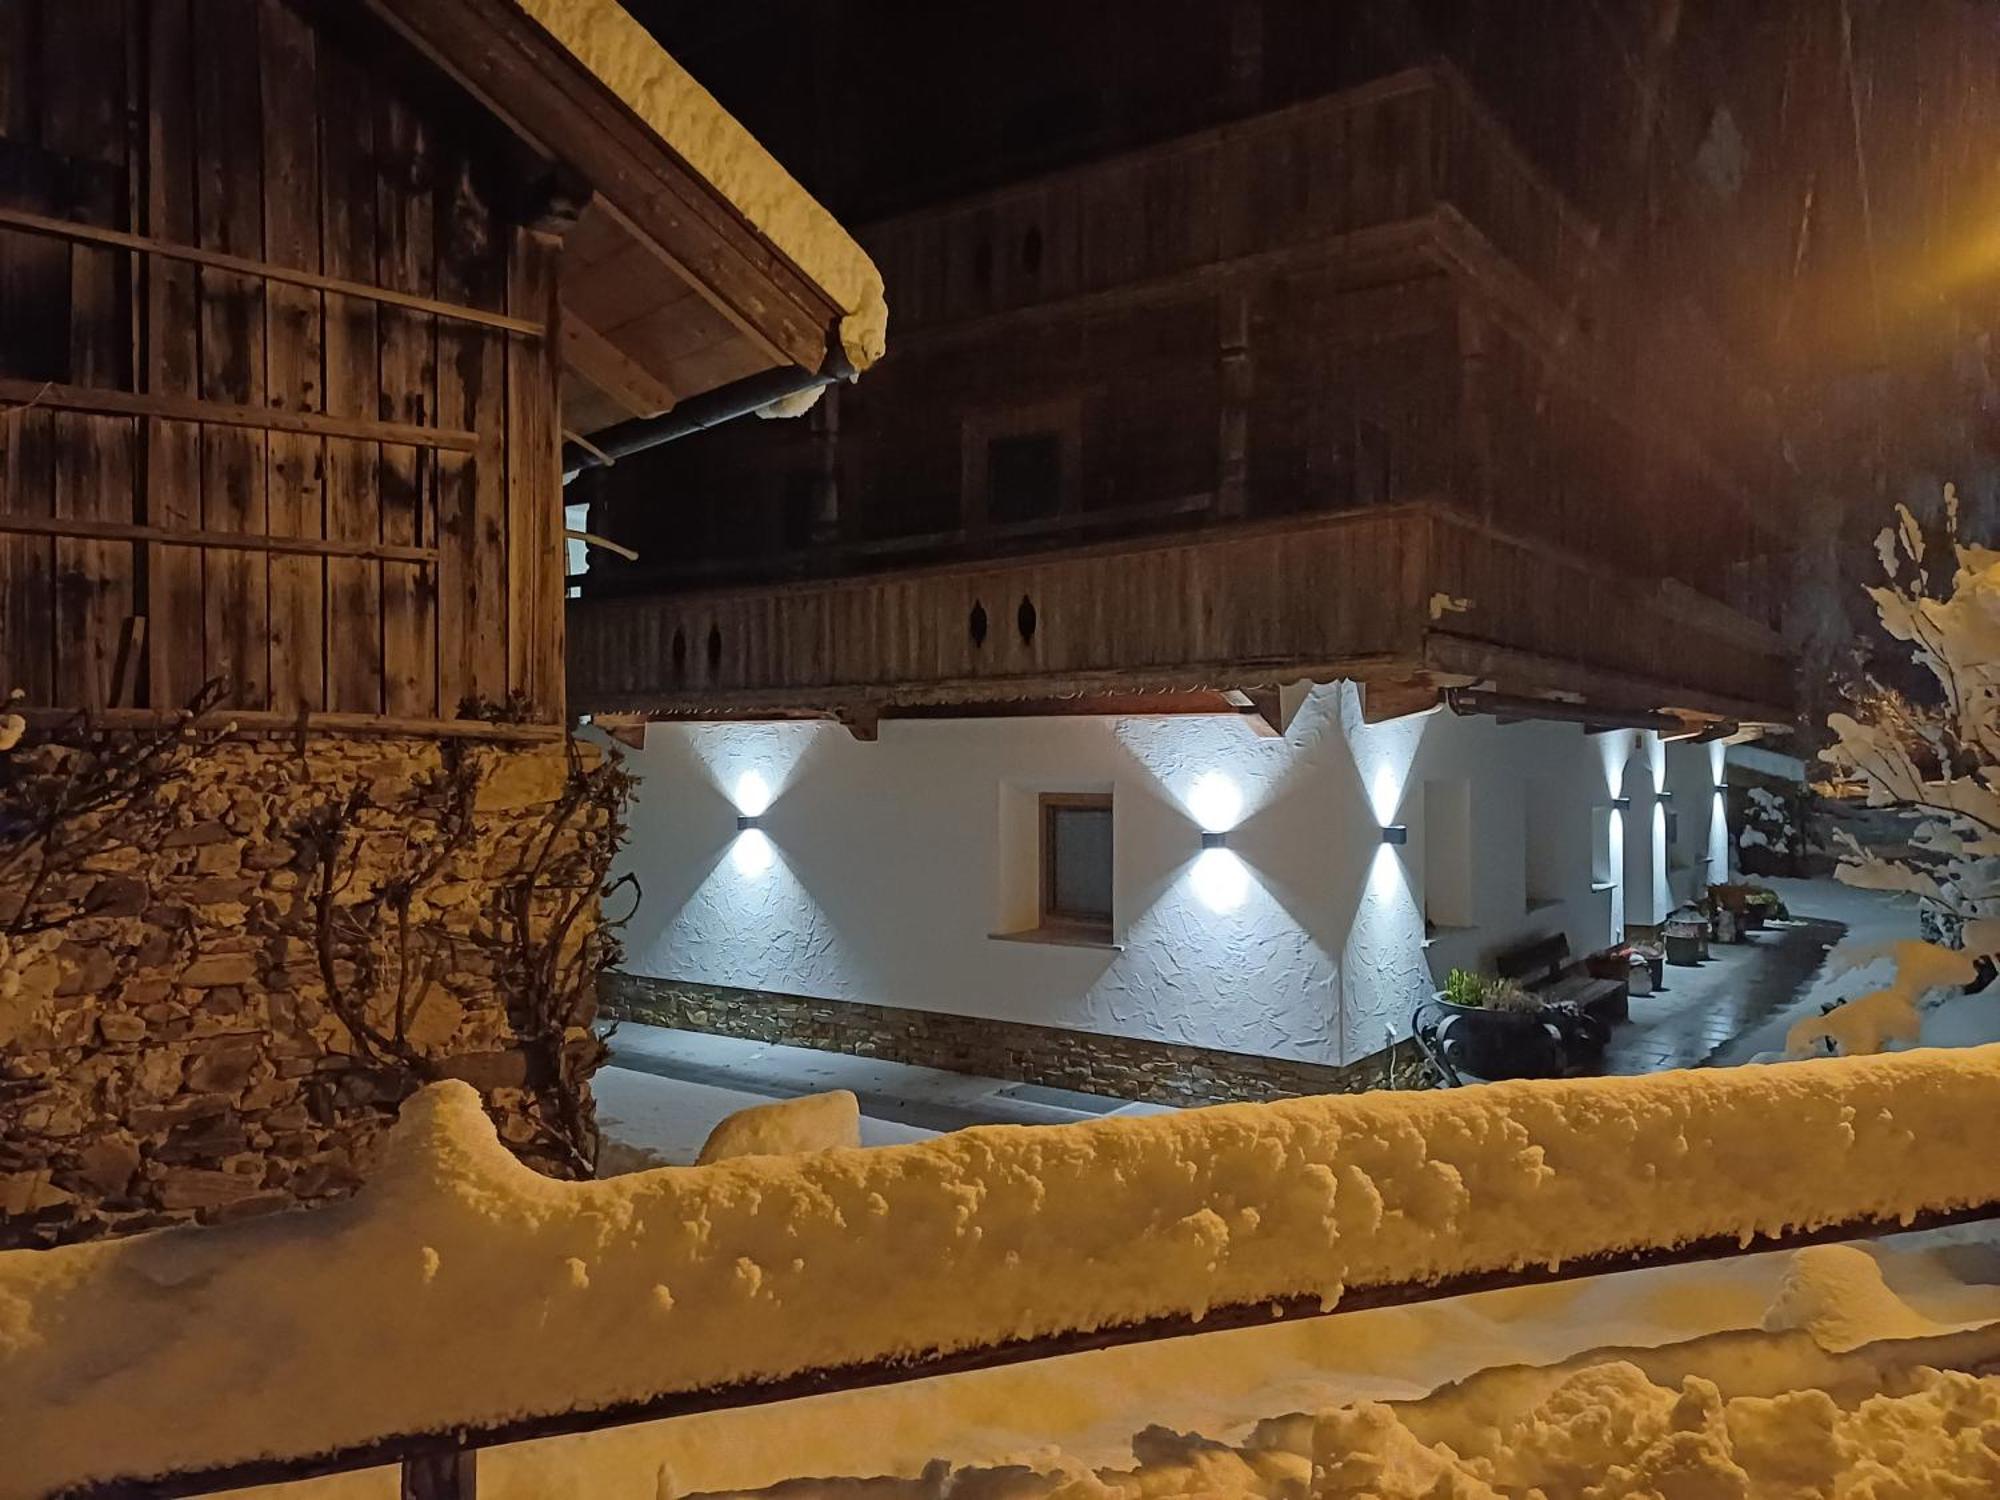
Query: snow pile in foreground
{"x": 1608, "y": 1433}
{"x": 460, "y": 1289}
{"x": 785, "y": 1127}
{"x": 622, "y": 53}
{"x": 1846, "y": 1409}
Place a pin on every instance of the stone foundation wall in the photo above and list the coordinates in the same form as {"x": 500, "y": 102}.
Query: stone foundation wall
{"x": 167, "y": 1050}
{"x": 1092, "y": 1062}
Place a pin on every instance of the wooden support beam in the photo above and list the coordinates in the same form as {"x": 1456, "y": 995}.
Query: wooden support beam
{"x": 863, "y": 721}
{"x": 33, "y": 393}
{"x": 1275, "y": 708}
{"x": 1382, "y": 701}
{"x": 262, "y": 721}
{"x": 441, "y": 1476}
{"x": 611, "y": 369}
{"x": 215, "y": 260}
{"x": 214, "y": 541}
{"x": 131, "y": 662}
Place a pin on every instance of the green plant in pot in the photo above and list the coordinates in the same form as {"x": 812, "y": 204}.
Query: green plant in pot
{"x": 1496, "y": 1029}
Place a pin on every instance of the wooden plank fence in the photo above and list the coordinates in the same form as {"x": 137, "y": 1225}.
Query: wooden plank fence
{"x": 276, "y": 397}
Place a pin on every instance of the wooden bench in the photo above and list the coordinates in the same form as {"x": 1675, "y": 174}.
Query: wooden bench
{"x": 1544, "y": 967}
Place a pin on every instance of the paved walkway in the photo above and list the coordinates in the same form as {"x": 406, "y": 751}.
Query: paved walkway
{"x": 1698, "y": 1011}
{"x": 664, "y": 1090}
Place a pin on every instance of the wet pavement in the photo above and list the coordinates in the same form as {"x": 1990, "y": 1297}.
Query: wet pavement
{"x": 1699, "y": 1010}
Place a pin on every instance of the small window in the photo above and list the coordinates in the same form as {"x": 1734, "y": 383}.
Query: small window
{"x": 1076, "y": 864}
{"x": 1021, "y": 466}
{"x": 1023, "y": 476}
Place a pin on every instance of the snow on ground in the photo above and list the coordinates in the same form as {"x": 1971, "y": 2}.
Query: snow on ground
{"x": 785, "y": 1127}
{"x": 495, "y": 1293}
{"x": 1757, "y": 1324}
{"x": 657, "y": 1122}
{"x": 1875, "y": 921}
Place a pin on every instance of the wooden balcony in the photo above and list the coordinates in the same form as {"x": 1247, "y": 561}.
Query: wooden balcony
{"x": 1396, "y": 596}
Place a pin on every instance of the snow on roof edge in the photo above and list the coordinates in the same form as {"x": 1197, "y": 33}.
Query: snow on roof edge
{"x": 605, "y": 38}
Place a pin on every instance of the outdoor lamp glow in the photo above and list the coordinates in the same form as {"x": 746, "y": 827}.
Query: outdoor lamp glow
{"x": 1214, "y": 802}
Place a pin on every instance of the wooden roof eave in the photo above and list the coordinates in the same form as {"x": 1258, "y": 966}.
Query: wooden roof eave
{"x": 541, "y": 92}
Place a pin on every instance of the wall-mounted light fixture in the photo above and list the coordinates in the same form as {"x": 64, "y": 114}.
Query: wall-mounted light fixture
{"x": 1215, "y": 802}
{"x": 1214, "y": 838}
{"x": 747, "y": 821}
{"x": 1665, "y": 796}
{"x": 1623, "y": 804}
{"x": 1395, "y": 833}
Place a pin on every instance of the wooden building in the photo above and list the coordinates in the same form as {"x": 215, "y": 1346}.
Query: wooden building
{"x": 295, "y": 303}
{"x": 1342, "y": 390}
{"x": 298, "y": 303}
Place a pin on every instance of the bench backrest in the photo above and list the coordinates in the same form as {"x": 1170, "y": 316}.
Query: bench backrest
{"x": 1543, "y": 959}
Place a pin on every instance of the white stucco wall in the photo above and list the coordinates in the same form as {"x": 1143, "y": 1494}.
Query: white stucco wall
{"x": 881, "y": 870}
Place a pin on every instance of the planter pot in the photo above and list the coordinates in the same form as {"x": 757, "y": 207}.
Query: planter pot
{"x": 1500, "y": 1043}
{"x": 1684, "y": 951}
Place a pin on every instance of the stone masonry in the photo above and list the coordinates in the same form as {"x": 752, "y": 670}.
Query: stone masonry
{"x": 166, "y": 1049}
{"x": 1055, "y": 1057}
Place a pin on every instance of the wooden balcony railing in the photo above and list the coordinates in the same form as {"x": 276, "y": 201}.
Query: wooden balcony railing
{"x": 1383, "y": 594}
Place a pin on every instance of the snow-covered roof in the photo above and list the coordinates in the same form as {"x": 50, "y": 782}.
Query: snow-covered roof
{"x": 461, "y": 1290}
{"x": 602, "y": 36}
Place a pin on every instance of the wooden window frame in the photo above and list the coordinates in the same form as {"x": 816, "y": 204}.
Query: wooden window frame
{"x": 1062, "y": 417}
{"x": 1050, "y": 919}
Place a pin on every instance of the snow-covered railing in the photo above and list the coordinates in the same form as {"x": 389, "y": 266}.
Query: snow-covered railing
{"x": 461, "y": 1300}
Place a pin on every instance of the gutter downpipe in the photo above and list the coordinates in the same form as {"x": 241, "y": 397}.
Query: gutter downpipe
{"x": 710, "y": 409}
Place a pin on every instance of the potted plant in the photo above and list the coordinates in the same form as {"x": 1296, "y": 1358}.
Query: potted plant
{"x": 1685, "y": 936}
{"x": 1637, "y": 964}
{"x": 1765, "y": 904}
{"x": 1495, "y": 1029}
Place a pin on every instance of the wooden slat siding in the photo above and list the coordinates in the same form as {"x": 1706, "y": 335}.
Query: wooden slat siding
{"x": 27, "y": 573}
{"x": 353, "y": 382}
{"x": 76, "y": 232}
{"x": 471, "y": 492}
{"x": 292, "y": 320}
{"x": 34, "y": 286}
{"x": 174, "y": 611}
{"x": 534, "y": 485}
{"x": 84, "y": 45}
{"x": 405, "y": 261}
{"x": 229, "y": 212}
{"x": 1224, "y": 608}
{"x": 20, "y": 111}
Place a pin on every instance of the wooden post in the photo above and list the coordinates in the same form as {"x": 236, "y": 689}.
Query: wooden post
{"x": 441, "y": 1476}
{"x": 824, "y": 528}
{"x": 1232, "y": 481}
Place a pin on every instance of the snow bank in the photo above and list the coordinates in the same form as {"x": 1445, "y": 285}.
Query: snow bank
{"x": 460, "y": 1289}
{"x": 785, "y": 1127}
{"x": 623, "y": 54}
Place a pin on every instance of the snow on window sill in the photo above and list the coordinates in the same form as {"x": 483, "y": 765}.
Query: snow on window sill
{"x": 1058, "y": 937}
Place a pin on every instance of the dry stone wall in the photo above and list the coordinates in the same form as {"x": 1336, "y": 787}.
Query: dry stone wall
{"x": 167, "y": 1049}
